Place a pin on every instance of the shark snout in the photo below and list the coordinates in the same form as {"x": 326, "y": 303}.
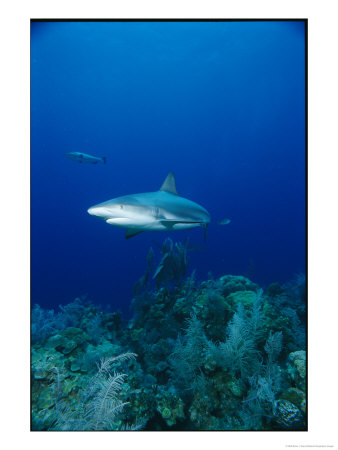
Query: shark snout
{"x": 101, "y": 211}
{"x": 95, "y": 211}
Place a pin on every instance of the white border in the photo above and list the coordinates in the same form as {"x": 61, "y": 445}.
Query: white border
{"x": 14, "y": 218}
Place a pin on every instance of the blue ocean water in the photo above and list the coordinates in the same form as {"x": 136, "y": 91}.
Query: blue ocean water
{"x": 221, "y": 104}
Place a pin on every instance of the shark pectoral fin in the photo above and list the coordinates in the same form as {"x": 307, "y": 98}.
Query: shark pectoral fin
{"x": 131, "y": 232}
{"x": 169, "y": 223}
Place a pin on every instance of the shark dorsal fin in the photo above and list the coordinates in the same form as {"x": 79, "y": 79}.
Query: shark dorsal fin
{"x": 169, "y": 184}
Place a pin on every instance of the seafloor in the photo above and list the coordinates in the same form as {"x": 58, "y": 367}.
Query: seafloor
{"x": 221, "y": 354}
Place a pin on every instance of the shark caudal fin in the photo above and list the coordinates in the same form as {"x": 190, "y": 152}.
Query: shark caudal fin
{"x": 169, "y": 184}
{"x": 104, "y": 159}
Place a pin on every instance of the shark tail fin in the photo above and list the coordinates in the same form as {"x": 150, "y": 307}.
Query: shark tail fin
{"x": 169, "y": 184}
{"x": 104, "y": 160}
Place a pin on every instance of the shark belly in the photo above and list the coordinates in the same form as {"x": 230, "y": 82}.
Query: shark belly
{"x": 151, "y": 225}
{"x": 171, "y": 225}
{"x": 137, "y": 224}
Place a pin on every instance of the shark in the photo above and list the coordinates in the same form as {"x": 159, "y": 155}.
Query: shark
{"x": 164, "y": 209}
{"x": 85, "y": 158}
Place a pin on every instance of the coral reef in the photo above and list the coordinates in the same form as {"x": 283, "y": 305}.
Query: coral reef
{"x": 97, "y": 407}
{"x": 219, "y": 354}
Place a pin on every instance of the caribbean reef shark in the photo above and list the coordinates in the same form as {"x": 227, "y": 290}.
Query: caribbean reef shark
{"x": 84, "y": 158}
{"x": 159, "y": 210}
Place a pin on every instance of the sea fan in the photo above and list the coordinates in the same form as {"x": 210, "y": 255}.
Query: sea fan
{"x": 99, "y": 405}
{"x": 239, "y": 350}
{"x": 101, "y": 410}
{"x": 187, "y": 357}
{"x": 273, "y": 346}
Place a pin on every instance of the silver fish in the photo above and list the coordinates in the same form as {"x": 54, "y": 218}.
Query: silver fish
{"x": 84, "y": 158}
{"x": 224, "y": 222}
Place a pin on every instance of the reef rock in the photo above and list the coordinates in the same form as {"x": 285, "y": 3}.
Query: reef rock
{"x": 287, "y": 414}
{"x": 245, "y": 297}
{"x": 296, "y": 367}
{"x": 68, "y": 340}
{"x": 43, "y": 362}
{"x": 46, "y": 398}
{"x": 171, "y": 407}
{"x": 297, "y": 397}
{"x": 233, "y": 283}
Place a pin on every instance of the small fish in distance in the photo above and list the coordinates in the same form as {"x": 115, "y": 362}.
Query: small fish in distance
{"x": 84, "y": 158}
{"x": 224, "y": 222}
